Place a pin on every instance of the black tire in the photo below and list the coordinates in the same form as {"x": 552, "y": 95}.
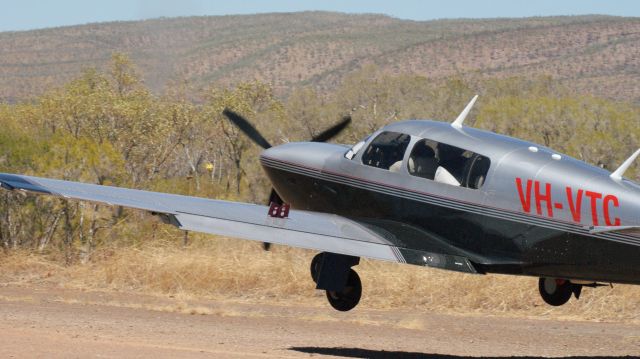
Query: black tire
{"x": 349, "y": 297}
{"x": 555, "y": 292}
{"x": 315, "y": 266}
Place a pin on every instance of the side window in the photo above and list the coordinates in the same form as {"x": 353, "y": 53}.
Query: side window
{"x": 448, "y": 164}
{"x": 386, "y": 151}
{"x": 478, "y": 172}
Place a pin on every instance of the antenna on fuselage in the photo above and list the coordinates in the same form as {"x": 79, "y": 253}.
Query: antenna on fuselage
{"x": 458, "y": 122}
{"x": 617, "y": 174}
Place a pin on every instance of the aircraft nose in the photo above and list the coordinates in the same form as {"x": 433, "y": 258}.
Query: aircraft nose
{"x": 310, "y": 155}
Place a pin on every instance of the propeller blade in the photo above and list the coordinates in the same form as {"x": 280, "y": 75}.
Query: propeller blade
{"x": 333, "y": 131}
{"x": 247, "y": 128}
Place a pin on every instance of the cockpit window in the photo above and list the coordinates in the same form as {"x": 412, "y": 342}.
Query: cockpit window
{"x": 386, "y": 151}
{"x": 448, "y": 164}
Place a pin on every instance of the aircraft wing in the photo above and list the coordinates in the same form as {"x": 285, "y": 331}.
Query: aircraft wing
{"x": 304, "y": 229}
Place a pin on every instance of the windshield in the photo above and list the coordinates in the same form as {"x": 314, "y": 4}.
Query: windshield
{"x": 354, "y": 150}
{"x": 386, "y": 151}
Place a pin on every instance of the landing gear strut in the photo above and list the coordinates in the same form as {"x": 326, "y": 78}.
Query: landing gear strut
{"x": 332, "y": 273}
{"x": 556, "y": 292}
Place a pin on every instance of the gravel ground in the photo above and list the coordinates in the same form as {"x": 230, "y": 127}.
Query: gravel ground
{"x": 43, "y": 321}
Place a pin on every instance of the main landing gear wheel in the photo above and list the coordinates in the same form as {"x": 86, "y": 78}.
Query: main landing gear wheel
{"x": 349, "y": 297}
{"x": 555, "y": 291}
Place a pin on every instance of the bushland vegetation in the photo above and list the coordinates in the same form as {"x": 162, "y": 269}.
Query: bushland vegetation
{"x": 107, "y": 127}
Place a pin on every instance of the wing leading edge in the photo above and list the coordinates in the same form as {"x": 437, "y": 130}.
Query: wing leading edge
{"x": 304, "y": 229}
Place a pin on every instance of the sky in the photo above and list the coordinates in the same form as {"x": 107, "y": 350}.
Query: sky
{"x": 19, "y": 15}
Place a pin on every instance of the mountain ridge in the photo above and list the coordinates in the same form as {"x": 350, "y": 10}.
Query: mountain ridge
{"x": 594, "y": 54}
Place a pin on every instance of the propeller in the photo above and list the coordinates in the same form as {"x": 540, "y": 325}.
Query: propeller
{"x": 247, "y": 128}
{"x": 251, "y": 132}
{"x": 332, "y": 131}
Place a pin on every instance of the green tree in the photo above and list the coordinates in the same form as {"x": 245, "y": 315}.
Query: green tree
{"x": 257, "y": 102}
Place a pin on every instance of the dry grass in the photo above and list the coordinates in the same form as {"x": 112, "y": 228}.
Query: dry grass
{"x": 240, "y": 271}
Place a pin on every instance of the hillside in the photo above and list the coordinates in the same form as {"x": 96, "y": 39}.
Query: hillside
{"x": 591, "y": 54}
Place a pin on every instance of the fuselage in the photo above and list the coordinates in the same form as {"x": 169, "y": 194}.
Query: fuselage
{"x": 510, "y": 206}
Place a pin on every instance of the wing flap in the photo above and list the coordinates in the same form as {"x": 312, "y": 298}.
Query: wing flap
{"x": 299, "y": 234}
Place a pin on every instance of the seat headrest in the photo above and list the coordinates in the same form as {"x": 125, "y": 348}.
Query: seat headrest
{"x": 424, "y": 151}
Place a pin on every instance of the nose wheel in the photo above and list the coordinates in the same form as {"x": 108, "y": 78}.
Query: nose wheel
{"x": 333, "y": 273}
{"x": 316, "y": 263}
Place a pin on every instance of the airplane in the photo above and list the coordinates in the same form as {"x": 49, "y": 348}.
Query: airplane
{"x": 420, "y": 192}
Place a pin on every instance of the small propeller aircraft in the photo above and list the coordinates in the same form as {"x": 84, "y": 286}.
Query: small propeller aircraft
{"x": 420, "y": 192}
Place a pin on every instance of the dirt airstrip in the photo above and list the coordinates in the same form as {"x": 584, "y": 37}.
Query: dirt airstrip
{"x": 46, "y": 321}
